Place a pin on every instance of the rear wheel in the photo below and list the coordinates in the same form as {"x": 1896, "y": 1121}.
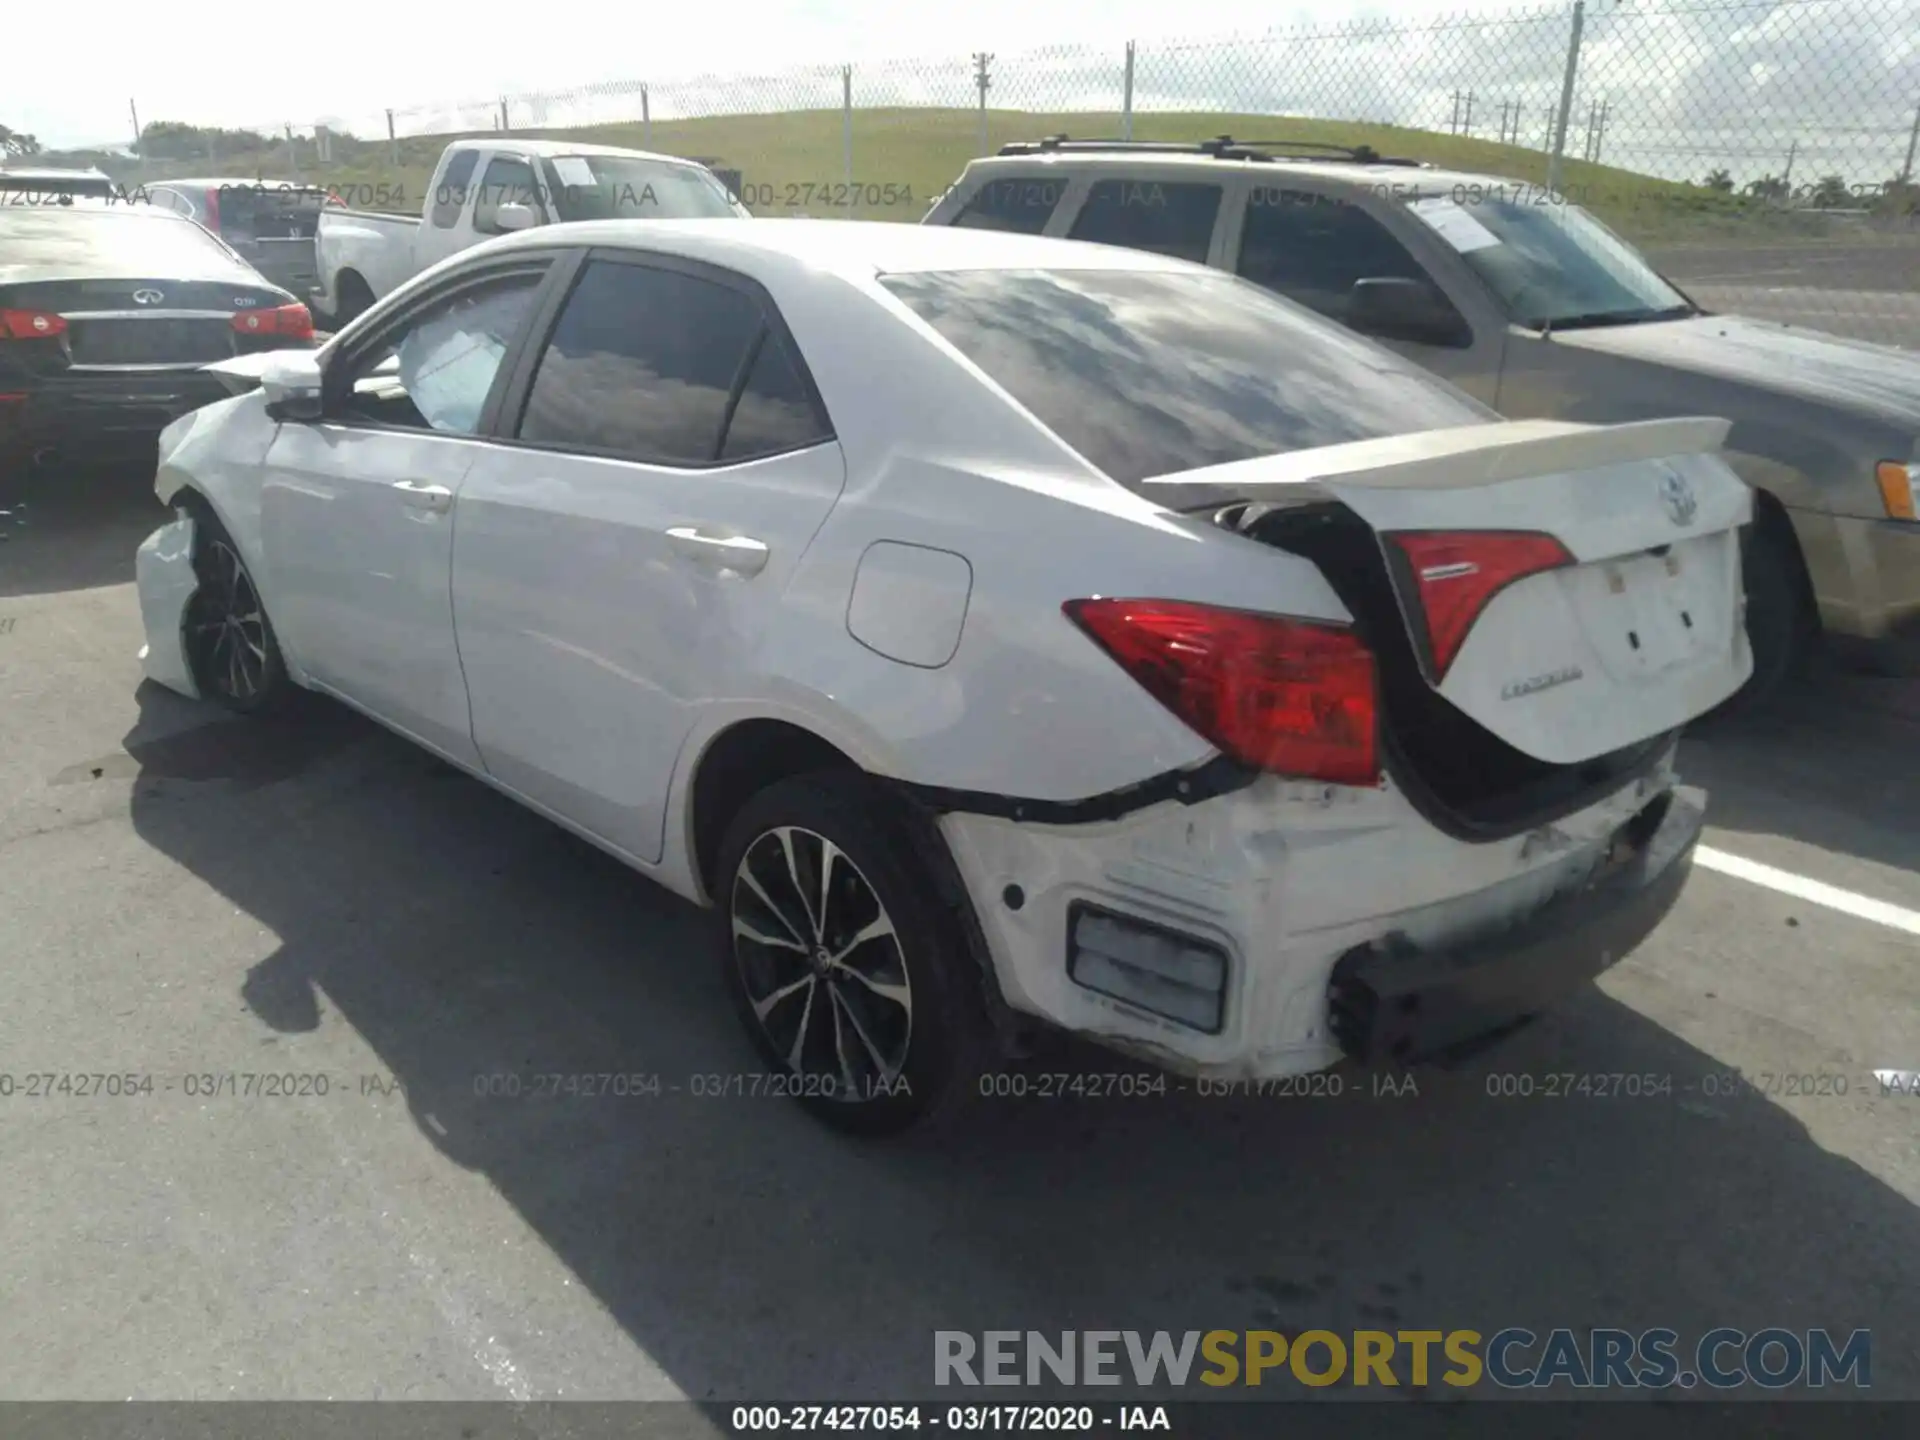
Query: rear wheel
{"x": 353, "y": 297}
{"x": 846, "y": 966}
{"x": 1782, "y": 624}
{"x": 230, "y": 643}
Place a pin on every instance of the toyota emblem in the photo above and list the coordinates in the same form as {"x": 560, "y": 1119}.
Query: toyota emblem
{"x": 148, "y": 297}
{"x": 1677, "y": 495}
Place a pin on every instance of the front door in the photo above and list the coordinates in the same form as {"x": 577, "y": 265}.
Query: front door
{"x": 357, "y": 510}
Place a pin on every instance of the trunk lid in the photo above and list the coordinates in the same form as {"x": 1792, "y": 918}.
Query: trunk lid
{"x": 1631, "y": 630}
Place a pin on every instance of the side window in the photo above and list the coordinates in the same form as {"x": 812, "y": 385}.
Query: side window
{"x": 774, "y": 412}
{"x": 1022, "y": 204}
{"x": 1311, "y": 247}
{"x": 1173, "y": 219}
{"x": 508, "y": 181}
{"x": 641, "y": 365}
{"x": 434, "y": 373}
{"x": 450, "y": 197}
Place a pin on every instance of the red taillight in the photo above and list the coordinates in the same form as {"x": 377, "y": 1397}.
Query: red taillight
{"x": 1458, "y": 572}
{"x": 1281, "y": 695}
{"x": 288, "y": 322}
{"x": 31, "y": 325}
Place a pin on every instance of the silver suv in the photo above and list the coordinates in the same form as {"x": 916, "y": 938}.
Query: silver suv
{"x": 1534, "y": 307}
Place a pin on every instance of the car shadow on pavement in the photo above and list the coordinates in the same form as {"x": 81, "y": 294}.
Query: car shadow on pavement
{"x": 75, "y": 526}
{"x": 1827, "y": 764}
{"x": 753, "y": 1254}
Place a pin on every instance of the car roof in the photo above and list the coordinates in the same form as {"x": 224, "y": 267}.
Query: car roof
{"x": 1398, "y": 179}
{"x": 100, "y": 205}
{"x": 48, "y": 172}
{"x": 862, "y": 248}
{"x": 292, "y": 187}
{"x": 549, "y": 149}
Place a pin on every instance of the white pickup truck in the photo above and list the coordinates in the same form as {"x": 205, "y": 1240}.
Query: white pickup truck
{"x": 483, "y": 188}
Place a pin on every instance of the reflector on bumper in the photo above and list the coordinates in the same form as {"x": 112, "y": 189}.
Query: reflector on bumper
{"x": 1176, "y": 976}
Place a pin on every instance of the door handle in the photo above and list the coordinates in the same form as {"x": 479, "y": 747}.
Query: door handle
{"x": 437, "y": 498}
{"x": 724, "y": 552}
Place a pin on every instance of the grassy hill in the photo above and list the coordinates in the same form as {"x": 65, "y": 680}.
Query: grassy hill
{"x": 793, "y": 162}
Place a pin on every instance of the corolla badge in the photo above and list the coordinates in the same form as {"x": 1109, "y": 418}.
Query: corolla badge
{"x": 1676, "y": 493}
{"x": 148, "y": 297}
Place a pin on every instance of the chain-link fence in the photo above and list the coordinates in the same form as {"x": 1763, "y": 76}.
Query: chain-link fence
{"x": 1761, "y": 150}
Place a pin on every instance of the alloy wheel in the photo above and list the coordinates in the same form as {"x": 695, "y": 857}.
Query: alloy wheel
{"x": 821, "y": 963}
{"x": 228, "y": 628}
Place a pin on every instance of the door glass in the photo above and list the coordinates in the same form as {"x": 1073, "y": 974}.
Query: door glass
{"x": 1311, "y": 247}
{"x": 1168, "y": 219}
{"x": 775, "y": 413}
{"x": 641, "y": 365}
{"x": 450, "y": 198}
{"x": 435, "y": 373}
{"x": 508, "y": 181}
{"x": 1022, "y": 204}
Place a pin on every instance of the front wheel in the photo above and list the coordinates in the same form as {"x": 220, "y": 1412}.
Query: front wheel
{"x": 230, "y": 644}
{"x": 846, "y": 966}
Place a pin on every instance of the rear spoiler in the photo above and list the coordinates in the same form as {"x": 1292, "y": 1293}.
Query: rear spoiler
{"x": 1460, "y": 458}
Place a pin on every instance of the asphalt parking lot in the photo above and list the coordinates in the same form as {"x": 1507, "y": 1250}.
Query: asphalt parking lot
{"x": 1867, "y": 290}
{"x": 185, "y": 895}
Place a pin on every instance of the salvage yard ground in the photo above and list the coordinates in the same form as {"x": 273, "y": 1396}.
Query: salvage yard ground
{"x": 188, "y": 895}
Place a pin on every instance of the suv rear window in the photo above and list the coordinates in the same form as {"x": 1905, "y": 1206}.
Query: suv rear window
{"x": 1152, "y": 374}
{"x": 1020, "y": 203}
{"x": 1168, "y": 218}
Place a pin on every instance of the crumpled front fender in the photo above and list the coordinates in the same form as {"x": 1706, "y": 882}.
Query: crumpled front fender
{"x": 164, "y": 578}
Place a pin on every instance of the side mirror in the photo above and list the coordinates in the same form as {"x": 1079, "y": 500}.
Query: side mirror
{"x": 1411, "y": 310}
{"x": 292, "y": 384}
{"x": 515, "y": 216}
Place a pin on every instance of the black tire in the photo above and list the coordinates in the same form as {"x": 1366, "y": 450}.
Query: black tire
{"x": 355, "y": 297}
{"x": 1781, "y": 621}
{"x": 230, "y": 645}
{"x": 867, "y": 1065}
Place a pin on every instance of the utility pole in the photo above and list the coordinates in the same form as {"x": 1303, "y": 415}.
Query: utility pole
{"x": 1566, "y": 97}
{"x": 1913, "y": 139}
{"x": 982, "y": 81}
{"x": 646, "y": 121}
{"x": 134, "y": 111}
{"x": 1126, "y": 103}
{"x": 846, "y": 129}
{"x": 503, "y": 114}
{"x": 1786, "y": 180}
{"x": 1466, "y": 124}
{"x": 393, "y": 140}
{"x": 1600, "y": 135}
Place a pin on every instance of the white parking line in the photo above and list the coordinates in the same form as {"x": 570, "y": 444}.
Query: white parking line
{"x": 1800, "y": 887}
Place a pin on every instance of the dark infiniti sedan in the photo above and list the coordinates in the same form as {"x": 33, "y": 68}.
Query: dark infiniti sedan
{"x": 108, "y": 311}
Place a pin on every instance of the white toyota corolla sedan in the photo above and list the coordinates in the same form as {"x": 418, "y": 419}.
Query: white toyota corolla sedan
{"x": 996, "y": 631}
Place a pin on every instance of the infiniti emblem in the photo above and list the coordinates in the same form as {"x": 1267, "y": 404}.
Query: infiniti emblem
{"x": 148, "y": 297}
{"x": 1677, "y": 495}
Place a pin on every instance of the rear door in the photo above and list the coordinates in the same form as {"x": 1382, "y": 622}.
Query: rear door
{"x": 357, "y": 511}
{"x": 620, "y": 557}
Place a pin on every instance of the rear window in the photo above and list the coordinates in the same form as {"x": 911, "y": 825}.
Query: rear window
{"x": 268, "y": 212}
{"x": 128, "y": 241}
{"x": 1153, "y": 374}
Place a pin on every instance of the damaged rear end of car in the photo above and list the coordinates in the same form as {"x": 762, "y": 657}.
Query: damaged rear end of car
{"x": 1454, "y": 807}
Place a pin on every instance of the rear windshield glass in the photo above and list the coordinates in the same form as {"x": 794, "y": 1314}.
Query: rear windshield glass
{"x": 115, "y": 240}
{"x": 620, "y": 187}
{"x": 270, "y": 213}
{"x": 1152, "y": 374}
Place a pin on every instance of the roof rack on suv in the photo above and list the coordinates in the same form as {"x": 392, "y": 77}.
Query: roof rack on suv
{"x": 1221, "y": 147}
